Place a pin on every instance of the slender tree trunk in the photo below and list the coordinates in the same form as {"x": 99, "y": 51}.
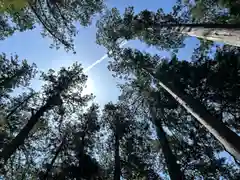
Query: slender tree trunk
{"x": 174, "y": 169}
{"x": 59, "y": 149}
{"x": 219, "y": 130}
{"x": 82, "y": 151}
{"x": 82, "y": 148}
{"x": 9, "y": 149}
{"x": 117, "y": 170}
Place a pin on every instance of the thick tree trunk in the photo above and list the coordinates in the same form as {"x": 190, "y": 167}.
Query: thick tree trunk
{"x": 216, "y": 127}
{"x": 171, "y": 160}
{"x": 117, "y": 170}
{"x": 219, "y": 130}
{"x": 222, "y": 33}
{"x": 23, "y": 134}
{"x": 226, "y": 36}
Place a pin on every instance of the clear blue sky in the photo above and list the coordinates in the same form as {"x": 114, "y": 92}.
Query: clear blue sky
{"x": 31, "y": 46}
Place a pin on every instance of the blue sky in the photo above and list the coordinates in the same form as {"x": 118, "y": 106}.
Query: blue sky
{"x": 31, "y": 46}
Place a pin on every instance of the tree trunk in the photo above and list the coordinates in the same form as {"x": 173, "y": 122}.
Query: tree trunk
{"x": 223, "y": 33}
{"x": 226, "y": 36}
{"x": 23, "y": 134}
{"x": 171, "y": 160}
{"x": 81, "y": 152}
{"x": 15, "y": 109}
{"x": 117, "y": 170}
{"x": 19, "y": 105}
{"x": 216, "y": 127}
{"x": 59, "y": 149}
{"x": 219, "y": 130}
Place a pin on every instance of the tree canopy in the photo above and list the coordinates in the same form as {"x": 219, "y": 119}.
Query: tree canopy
{"x": 149, "y": 133}
{"x": 58, "y": 19}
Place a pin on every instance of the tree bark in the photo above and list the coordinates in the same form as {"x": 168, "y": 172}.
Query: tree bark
{"x": 223, "y": 33}
{"x": 15, "y": 109}
{"x": 117, "y": 170}
{"x": 9, "y": 149}
{"x": 174, "y": 169}
{"x": 216, "y": 127}
{"x": 219, "y": 130}
{"x": 226, "y": 36}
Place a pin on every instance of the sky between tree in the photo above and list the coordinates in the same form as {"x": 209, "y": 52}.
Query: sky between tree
{"x": 31, "y": 46}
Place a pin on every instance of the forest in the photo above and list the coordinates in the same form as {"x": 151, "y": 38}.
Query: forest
{"x": 174, "y": 119}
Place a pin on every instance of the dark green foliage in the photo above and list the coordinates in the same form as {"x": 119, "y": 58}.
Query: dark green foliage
{"x": 57, "y": 17}
{"x": 13, "y": 74}
{"x": 130, "y": 143}
{"x": 164, "y": 31}
{"x": 74, "y": 152}
{"x": 50, "y": 114}
{"x": 138, "y": 159}
{"x": 51, "y": 134}
{"x": 56, "y": 93}
{"x": 143, "y": 26}
{"x": 55, "y": 134}
{"x": 225, "y": 11}
{"x": 214, "y": 81}
{"x": 118, "y": 121}
{"x": 187, "y": 138}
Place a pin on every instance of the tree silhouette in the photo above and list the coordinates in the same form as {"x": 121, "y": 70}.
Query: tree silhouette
{"x": 58, "y": 86}
{"x": 57, "y": 17}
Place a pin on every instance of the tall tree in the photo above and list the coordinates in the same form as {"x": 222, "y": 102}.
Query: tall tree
{"x": 11, "y": 119}
{"x": 151, "y": 101}
{"x": 58, "y": 151}
{"x": 115, "y": 119}
{"x": 138, "y": 160}
{"x": 15, "y": 115}
{"x": 55, "y": 92}
{"x": 159, "y": 29}
{"x": 209, "y": 79}
{"x": 130, "y": 138}
{"x": 75, "y": 153}
{"x": 135, "y": 62}
{"x": 185, "y": 136}
{"x": 171, "y": 160}
{"x": 57, "y": 17}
